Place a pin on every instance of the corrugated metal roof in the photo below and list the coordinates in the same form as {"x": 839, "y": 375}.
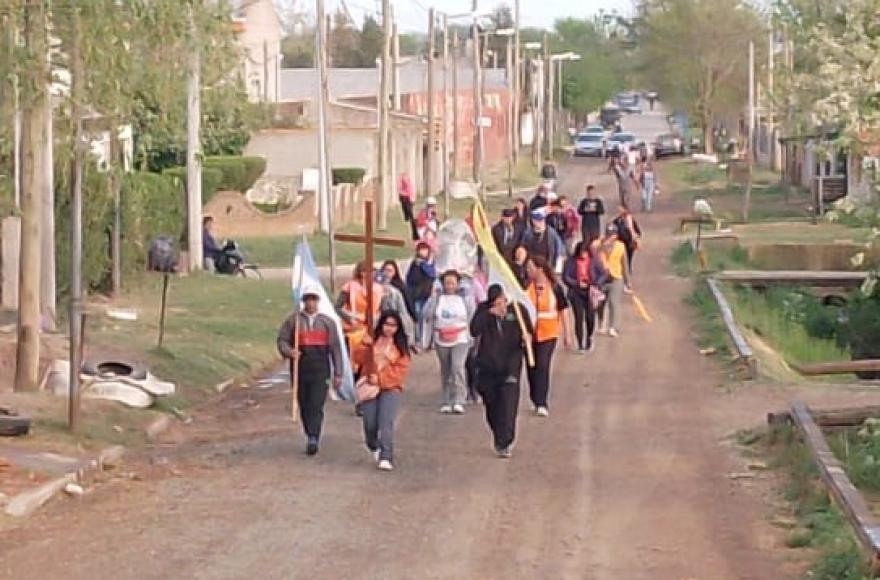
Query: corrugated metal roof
{"x": 300, "y": 84}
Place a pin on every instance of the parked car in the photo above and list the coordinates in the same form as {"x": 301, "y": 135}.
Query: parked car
{"x": 629, "y": 103}
{"x": 668, "y": 144}
{"x": 609, "y": 116}
{"x": 590, "y": 145}
{"x": 621, "y": 142}
{"x": 596, "y": 130}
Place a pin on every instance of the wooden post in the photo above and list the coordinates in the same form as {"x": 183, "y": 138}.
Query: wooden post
{"x": 445, "y": 112}
{"x": 75, "y": 314}
{"x": 511, "y": 119}
{"x": 163, "y": 308}
{"x": 456, "y": 137}
{"x": 548, "y": 97}
{"x": 478, "y": 104}
{"x": 116, "y": 231}
{"x": 395, "y": 57}
{"x": 517, "y": 85}
{"x": 383, "y": 193}
{"x": 193, "y": 148}
{"x": 430, "y": 160}
{"x": 47, "y": 225}
{"x": 35, "y": 99}
{"x": 325, "y": 201}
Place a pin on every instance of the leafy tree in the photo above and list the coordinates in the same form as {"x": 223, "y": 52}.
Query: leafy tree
{"x": 371, "y": 40}
{"x": 695, "y": 52}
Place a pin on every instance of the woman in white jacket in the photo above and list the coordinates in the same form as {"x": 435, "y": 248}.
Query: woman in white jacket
{"x": 447, "y": 319}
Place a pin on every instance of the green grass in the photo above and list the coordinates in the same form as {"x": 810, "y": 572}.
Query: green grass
{"x": 277, "y": 252}
{"x": 821, "y": 525}
{"x": 774, "y": 316}
{"x": 217, "y": 327}
{"x": 708, "y": 326}
{"x": 685, "y": 263}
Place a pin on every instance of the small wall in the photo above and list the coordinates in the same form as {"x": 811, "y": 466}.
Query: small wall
{"x": 235, "y": 217}
{"x": 811, "y": 256}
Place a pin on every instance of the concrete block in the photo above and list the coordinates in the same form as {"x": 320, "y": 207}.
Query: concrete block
{"x": 28, "y": 502}
{"x": 10, "y": 245}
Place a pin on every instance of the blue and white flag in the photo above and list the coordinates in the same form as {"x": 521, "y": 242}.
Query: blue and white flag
{"x": 305, "y": 275}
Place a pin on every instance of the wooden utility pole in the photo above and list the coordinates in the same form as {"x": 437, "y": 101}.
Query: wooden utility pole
{"x": 456, "y": 136}
{"x": 76, "y": 205}
{"x": 548, "y": 98}
{"x": 395, "y": 57}
{"x": 35, "y": 101}
{"x": 751, "y": 104}
{"x": 430, "y": 161}
{"x": 116, "y": 231}
{"x": 47, "y": 232}
{"x": 383, "y": 193}
{"x": 325, "y": 186}
{"x": 478, "y": 105}
{"x": 193, "y": 148}
{"x": 517, "y": 86}
{"x": 444, "y": 143}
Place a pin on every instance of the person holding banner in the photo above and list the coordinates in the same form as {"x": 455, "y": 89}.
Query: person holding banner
{"x": 501, "y": 340}
{"x": 310, "y": 338}
{"x": 385, "y": 358}
{"x": 550, "y": 303}
{"x": 352, "y": 304}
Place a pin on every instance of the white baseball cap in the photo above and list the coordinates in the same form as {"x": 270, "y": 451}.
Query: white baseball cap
{"x": 311, "y": 290}
{"x": 431, "y": 200}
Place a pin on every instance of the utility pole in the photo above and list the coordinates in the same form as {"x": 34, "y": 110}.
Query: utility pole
{"x": 325, "y": 188}
{"x": 265, "y": 71}
{"x": 456, "y": 137}
{"x": 511, "y": 117}
{"x": 35, "y": 99}
{"x": 193, "y": 148}
{"x": 751, "y": 128}
{"x": 47, "y": 233}
{"x": 384, "y": 118}
{"x": 430, "y": 161}
{"x": 478, "y": 105}
{"x": 76, "y": 203}
{"x": 445, "y": 136}
{"x": 395, "y": 57}
{"x": 12, "y": 28}
{"x": 548, "y": 97}
{"x": 517, "y": 85}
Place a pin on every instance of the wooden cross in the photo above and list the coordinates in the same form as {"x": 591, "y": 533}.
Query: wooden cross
{"x": 369, "y": 240}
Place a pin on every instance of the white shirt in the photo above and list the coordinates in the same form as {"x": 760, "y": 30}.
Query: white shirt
{"x": 451, "y": 314}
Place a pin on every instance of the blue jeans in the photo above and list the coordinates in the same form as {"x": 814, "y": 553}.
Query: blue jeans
{"x": 379, "y": 416}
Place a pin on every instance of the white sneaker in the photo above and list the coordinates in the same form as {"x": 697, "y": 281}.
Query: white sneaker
{"x": 374, "y": 454}
{"x": 385, "y": 465}
{"x": 458, "y": 409}
{"x": 542, "y": 412}
{"x": 505, "y": 453}
{"x": 446, "y": 409}
{"x": 612, "y": 332}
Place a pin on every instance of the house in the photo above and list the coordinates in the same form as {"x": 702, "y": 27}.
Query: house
{"x": 804, "y": 165}
{"x": 359, "y": 88}
{"x": 259, "y": 30}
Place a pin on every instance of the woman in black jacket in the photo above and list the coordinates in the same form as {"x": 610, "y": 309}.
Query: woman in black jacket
{"x": 500, "y": 350}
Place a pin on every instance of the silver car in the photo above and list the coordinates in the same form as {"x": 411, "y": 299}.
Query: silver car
{"x": 589, "y": 145}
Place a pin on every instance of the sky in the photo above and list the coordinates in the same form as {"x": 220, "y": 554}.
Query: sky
{"x": 412, "y": 15}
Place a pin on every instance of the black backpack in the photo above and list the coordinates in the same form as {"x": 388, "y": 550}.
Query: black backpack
{"x": 162, "y": 255}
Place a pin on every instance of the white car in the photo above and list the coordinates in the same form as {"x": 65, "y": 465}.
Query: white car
{"x": 590, "y": 145}
{"x": 621, "y": 142}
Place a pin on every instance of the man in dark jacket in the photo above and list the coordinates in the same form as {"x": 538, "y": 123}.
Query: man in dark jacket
{"x": 499, "y": 359}
{"x": 591, "y": 210}
{"x": 507, "y": 233}
{"x": 319, "y": 354}
{"x": 420, "y": 282}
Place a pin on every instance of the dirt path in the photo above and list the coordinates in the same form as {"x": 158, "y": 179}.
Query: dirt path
{"x": 628, "y": 479}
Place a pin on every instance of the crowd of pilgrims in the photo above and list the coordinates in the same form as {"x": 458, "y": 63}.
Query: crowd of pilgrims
{"x": 573, "y": 270}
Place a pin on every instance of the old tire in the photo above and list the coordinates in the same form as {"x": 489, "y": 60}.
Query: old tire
{"x": 14, "y": 426}
{"x": 116, "y": 366}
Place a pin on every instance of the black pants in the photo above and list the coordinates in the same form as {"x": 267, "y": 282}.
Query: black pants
{"x": 407, "y": 206}
{"x": 630, "y": 254}
{"x": 473, "y": 372}
{"x": 539, "y": 375}
{"x": 584, "y": 318}
{"x": 500, "y": 394}
{"x": 589, "y": 234}
{"x": 313, "y": 387}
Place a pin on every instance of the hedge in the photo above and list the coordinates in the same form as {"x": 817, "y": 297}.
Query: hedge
{"x": 239, "y": 173}
{"x": 211, "y": 180}
{"x": 151, "y": 204}
{"x": 353, "y": 175}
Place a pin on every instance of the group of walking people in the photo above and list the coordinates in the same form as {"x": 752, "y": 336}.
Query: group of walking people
{"x": 572, "y": 271}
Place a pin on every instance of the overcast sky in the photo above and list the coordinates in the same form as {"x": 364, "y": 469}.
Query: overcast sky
{"x": 412, "y": 14}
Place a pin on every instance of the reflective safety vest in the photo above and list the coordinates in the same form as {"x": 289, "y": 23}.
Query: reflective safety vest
{"x": 547, "y": 325}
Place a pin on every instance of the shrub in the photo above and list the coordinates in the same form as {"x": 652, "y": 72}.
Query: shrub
{"x": 211, "y": 180}
{"x": 238, "y": 173}
{"x": 353, "y": 175}
{"x": 152, "y": 205}
{"x": 861, "y": 333}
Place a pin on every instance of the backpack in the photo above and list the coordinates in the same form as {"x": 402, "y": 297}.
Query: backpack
{"x": 162, "y": 255}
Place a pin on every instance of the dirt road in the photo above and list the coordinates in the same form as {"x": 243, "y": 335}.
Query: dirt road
{"x": 627, "y": 479}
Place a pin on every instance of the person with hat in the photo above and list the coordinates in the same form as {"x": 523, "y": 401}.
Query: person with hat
{"x": 612, "y": 253}
{"x": 427, "y": 220}
{"x": 500, "y": 350}
{"x": 310, "y": 337}
{"x": 542, "y": 241}
{"x": 507, "y": 233}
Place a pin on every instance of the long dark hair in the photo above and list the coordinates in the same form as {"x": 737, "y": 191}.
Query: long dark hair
{"x": 542, "y": 264}
{"x": 400, "y": 341}
{"x": 396, "y": 280}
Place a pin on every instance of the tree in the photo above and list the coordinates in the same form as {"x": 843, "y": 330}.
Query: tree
{"x": 344, "y": 42}
{"x": 695, "y": 52}
{"x": 370, "y": 42}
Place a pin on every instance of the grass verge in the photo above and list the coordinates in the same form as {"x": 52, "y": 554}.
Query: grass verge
{"x": 821, "y": 525}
